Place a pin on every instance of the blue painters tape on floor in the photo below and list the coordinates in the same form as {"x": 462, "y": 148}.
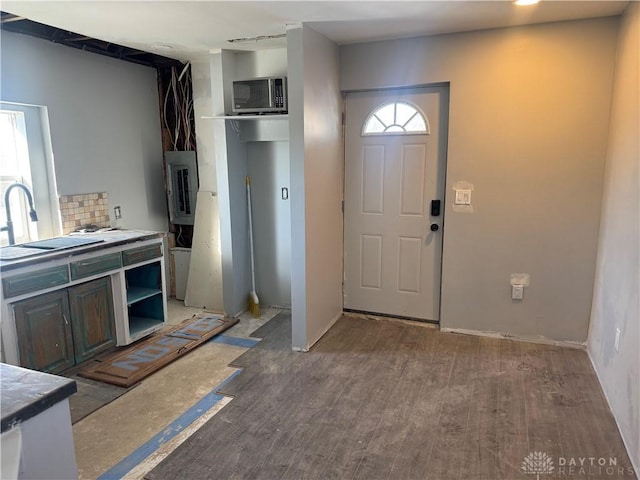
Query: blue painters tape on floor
{"x": 235, "y": 341}
{"x": 169, "y": 432}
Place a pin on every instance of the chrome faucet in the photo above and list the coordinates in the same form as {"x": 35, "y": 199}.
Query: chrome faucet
{"x": 32, "y": 212}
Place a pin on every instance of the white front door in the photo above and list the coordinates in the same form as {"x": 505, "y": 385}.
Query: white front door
{"x": 395, "y": 144}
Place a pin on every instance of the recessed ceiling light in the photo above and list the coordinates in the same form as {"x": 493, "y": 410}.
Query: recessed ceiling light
{"x": 526, "y": 2}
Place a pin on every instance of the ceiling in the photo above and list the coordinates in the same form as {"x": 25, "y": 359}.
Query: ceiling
{"x": 186, "y": 30}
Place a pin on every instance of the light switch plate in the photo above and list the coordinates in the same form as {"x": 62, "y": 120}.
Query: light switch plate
{"x": 463, "y": 197}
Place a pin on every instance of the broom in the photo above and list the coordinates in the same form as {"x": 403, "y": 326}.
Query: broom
{"x": 254, "y": 302}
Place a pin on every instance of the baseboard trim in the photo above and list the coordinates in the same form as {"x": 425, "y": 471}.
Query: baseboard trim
{"x": 604, "y": 392}
{"x": 519, "y": 338}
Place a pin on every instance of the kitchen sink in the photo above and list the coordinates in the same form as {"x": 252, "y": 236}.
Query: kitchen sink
{"x": 41, "y": 247}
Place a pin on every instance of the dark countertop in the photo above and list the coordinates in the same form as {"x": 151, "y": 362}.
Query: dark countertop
{"x": 112, "y": 238}
{"x": 26, "y": 393}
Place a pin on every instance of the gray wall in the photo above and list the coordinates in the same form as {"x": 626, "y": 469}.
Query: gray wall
{"x": 528, "y": 125}
{"x": 236, "y": 174}
{"x": 295, "y": 86}
{"x": 104, "y": 119}
{"x": 231, "y": 170}
{"x": 317, "y": 168}
{"x": 617, "y": 286}
{"x": 268, "y": 167}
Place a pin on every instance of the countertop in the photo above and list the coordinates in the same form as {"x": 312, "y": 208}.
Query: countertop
{"x": 26, "y": 393}
{"x": 112, "y": 238}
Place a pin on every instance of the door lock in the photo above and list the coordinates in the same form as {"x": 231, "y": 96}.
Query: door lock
{"x": 434, "y": 227}
{"x": 435, "y": 208}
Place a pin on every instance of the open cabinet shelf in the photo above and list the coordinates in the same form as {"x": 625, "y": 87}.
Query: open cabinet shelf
{"x": 135, "y": 294}
{"x": 144, "y": 299}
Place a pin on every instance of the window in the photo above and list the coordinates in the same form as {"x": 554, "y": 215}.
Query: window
{"x": 25, "y": 157}
{"x": 14, "y": 158}
{"x": 398, "y": 118}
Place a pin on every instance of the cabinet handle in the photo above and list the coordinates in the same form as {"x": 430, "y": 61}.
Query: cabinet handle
{"x": 66, "y": 322}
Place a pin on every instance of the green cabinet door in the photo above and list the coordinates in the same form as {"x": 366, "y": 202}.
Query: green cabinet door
{"x": 44, "y": 333}
{"x": 92, "y": 318}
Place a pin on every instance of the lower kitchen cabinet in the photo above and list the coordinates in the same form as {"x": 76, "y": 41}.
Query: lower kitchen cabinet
{"x": 59, "y": 329}
{"x": 92, "y": 318}
{"x": 45, "y": 341}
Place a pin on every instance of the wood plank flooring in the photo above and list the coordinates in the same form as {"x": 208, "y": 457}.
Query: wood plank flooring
{"x": 381, "y": 399}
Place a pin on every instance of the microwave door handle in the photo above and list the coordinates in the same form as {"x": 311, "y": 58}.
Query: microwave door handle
{"x": 271, "y": 89}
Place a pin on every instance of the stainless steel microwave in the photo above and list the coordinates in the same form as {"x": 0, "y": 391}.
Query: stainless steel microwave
{"x": 260, "y": 95}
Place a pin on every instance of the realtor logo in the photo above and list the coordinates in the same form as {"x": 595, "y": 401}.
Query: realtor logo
{"x": 537, "y": 463}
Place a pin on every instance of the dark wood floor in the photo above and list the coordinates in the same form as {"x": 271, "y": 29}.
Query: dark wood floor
{"x": 384, "y": 399}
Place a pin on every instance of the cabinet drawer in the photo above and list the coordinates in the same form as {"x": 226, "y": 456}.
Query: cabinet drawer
{"x": 137, "y": 255}
{"x": 94, "y": 265}
{"x": 34, "y": 281}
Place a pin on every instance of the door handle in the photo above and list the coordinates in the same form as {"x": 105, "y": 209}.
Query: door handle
{"x": 434, "y": 227}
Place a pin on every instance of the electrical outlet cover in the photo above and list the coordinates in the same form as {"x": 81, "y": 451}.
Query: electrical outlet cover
{"x": 517, "y": 292}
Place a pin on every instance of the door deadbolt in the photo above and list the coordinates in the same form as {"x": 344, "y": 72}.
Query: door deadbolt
{"x": 435, "y": 208}
{"x": 434, "y": 227}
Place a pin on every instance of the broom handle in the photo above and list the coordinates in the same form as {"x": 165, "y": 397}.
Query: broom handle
{"x": 253, "y": 273}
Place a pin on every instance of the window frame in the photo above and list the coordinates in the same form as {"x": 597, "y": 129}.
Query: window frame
{"x": 385, "y": 133}
{"x": 43, "y": 181}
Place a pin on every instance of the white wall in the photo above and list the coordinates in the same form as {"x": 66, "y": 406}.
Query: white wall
{"x": 617, "y": 286}
{"x": 104, "y": 119}
{"x": 317, "y": 166}
{"x": 528, "y": 124}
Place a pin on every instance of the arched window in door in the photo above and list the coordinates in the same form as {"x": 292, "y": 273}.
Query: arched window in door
{"x": 397, "y": 118}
